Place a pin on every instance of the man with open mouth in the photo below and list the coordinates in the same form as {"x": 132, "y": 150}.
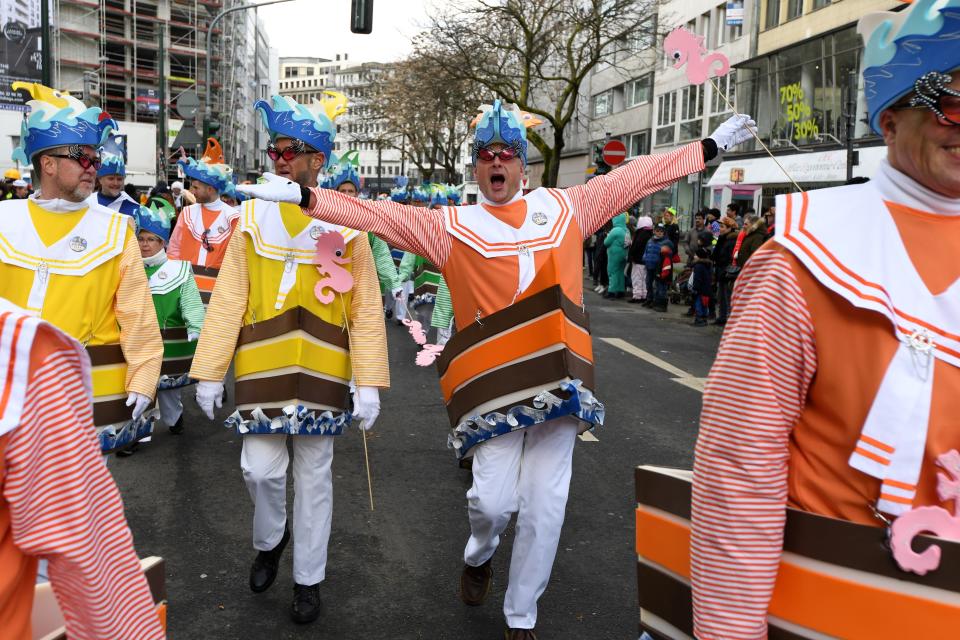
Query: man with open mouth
{"x": 517, "y": 377}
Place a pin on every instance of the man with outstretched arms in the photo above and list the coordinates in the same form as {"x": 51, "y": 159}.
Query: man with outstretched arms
{"x": 203, "y": 229}
{"x": 517, "y": 376}
{"x": 77, "y": 265}
{"x": 298, "y": 303}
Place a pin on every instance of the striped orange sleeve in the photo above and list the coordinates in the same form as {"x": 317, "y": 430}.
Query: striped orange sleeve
{"x": 605, "y": 196}
{"x": 139, "y": 332}
{"x": 415, "y": 229}
{"x": 221, "y": 327}
{"x": 368, "y": 336}
{"x": 740, "y": 466}
{"x": 65, "y": 508}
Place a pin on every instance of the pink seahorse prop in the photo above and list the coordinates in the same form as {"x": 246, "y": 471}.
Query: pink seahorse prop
{"x": 687, "y": 49}
{"x": 429, "y": 353}
{"x": 935, "y": 520}
{"x": 329, "y": 259}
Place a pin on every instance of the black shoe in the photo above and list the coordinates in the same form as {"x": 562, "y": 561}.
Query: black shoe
{"x": 306, "y": 603}
{"x": 700, "y": 322}
{"x": 720, "y": 321}
{"x": 389, "y": 313}
{"x": 129, "y": 450}
{"x": 177, "y": 428}
{"x": 264, "y": 569}
{"x": 634, "y": 300}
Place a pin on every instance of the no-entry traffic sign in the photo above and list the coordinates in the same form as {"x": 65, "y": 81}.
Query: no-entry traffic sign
{"x": 614, "y": 152}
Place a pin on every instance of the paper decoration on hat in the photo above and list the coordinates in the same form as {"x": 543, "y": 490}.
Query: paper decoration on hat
{"x": 58, "y": 119}
{"x": 686, "y": 48}
{"x": 420, "y": 193}
{"x": 454, "y": 193}
{"x": 900, "y": 48}
{"x": 343, "y": 169}
{"x": 213, "y": 154}
{"x": 210, "y": 169}
{"x": 503, "y": 123}
{"x": 156, "y": 218}
{"x": 399, "y": 191}
{"x": 314, "y": 125}
{"x": 111, "y": 157}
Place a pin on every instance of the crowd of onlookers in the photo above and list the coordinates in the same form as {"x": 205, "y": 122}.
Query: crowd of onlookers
{"x": 652, "y": 261}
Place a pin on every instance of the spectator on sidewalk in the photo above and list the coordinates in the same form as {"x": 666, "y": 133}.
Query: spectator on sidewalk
{"x": 669, "y": 221}
{"x": 702, "y": 287}
{"x": 638, "y": 272}
{"x": 754, "y": 237}
{"x": 651, "y": 260}
{"x": 616, "y": 250}
{"x": 691, "y": 241}
{"x": 770, "y": 217}
{"x": 600, "y": 260}
{"x": 722, "y": 263}
{"x": 664, "y": 276}
{"x": 733, "y": 212}
{"x": 713, "y": 222}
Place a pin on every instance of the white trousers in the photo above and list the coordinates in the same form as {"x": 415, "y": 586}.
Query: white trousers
{"x": 170, "y": 406}
{"x": 527, "y": 472}
{"x": 400, "y": 306}
{"x": 264, "y": 462}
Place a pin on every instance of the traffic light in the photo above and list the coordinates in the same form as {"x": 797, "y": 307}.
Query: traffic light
{"x": 210, "y": 128}
{"x": 602, "y": 167}
{"x": 361, "y": 16}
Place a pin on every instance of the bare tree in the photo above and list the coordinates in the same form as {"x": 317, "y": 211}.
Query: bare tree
{"x": 537, "y": 53}
{"x": 424, "y": 112}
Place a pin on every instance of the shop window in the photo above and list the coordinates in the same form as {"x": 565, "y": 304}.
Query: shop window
{"x": 719, "y": 107}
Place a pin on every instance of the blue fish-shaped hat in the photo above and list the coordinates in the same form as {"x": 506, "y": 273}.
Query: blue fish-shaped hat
{"x": 284, "y": 117}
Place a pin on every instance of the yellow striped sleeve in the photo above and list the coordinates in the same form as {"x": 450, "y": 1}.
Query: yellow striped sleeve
{"x": 368, "y": 336}
{"x": 139, "y": 332}
{"x": 218, "y": 340}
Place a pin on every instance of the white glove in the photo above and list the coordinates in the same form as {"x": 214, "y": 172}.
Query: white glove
{"x": 366, "y": 406}
{"x": 274, "y": 189}
{"x": 192, "y": 337}
{"x": 139, "y": 402}
{"x": 396, "y": 293}
{"x": 736, "y": 130}
{"x": 209, "y": 394}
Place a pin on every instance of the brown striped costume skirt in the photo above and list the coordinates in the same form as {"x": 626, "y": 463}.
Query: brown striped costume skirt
{"x": 520, "y": 366}
{"x": 837, "y": 579}
{"x": 111, "y": 417}
{"x": 206, "y": 278}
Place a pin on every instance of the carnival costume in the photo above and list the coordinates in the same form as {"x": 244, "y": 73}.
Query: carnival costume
{"x": 848, "y": 328}
{"x": 77, "y": 265}
{"x": 517, "y": 377}
{"x": 179, "y": 312}
{"x": 112, "y": 165}
{"x": 203, "y": 231}
{"x": 57, "y": 500}
{"x": 297, "y": 357}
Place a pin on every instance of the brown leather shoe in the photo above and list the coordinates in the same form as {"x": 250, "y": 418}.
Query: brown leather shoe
{"x": 519, "y": 634}
{"x": 475, "y": 583}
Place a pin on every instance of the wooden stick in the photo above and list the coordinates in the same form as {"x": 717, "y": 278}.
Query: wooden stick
{"x": 770, "y": 153}
{"x": 366, "y": 457}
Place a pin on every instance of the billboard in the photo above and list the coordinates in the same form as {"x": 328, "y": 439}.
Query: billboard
{"x": 148, "y": 101}
{"x": 735, "y": 13}
{"x": 20, "y": 42}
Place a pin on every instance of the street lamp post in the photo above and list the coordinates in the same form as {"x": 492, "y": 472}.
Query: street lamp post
{"x": 208, "y": 112}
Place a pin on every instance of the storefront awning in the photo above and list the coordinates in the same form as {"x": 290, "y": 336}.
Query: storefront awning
{"x": 820, "y": 166}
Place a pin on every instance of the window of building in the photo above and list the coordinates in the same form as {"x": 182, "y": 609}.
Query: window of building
{"x": 726, "y": 32}
{"x": 638, "y": 91}
{"x": 309, "y": 71}
{"x": 705, "y": 29}
{"x": 719, "y": 108}
{"x": 666, "y": 116}
{"x": 638, "y": 144}
{"x": 691, "y": 113}
{"x": 603, "y": 104}
{"x": 820, "y": 4}
{"x": 794, "y": 9}
{"x": 773, "y": 13}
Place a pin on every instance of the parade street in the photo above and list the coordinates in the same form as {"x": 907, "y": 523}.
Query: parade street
{"x": 392, "y": 573}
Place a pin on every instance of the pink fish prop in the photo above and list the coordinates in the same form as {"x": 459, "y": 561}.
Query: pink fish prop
{"x": 416, "y": 330}
{"x": 687, "y": 49}
{"x": 429, "y": 354}
{"x": 933, "y": 520}
{"x": 329, "y": 259}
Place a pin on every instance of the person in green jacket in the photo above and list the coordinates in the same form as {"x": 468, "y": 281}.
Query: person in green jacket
{"x": 179, "y": 308}
{"x": 615, "y": 243}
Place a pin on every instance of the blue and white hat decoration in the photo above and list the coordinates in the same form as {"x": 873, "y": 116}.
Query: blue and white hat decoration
{"x": 111, "y": 165}
{"x": 438, "y": 195}
{"x": 343, "y": 170}
{"x": 399, "y": 192}
{"x": 503, "y": 124}
{"x": 903, "y": 47}
{"x": 156, "y": 218}
{"x": 58, "y": 119}
{"x": 210, "y": 169}
{"x": 421, "y": 193}
{"x": 453, "y": 194}
{"x": 284, "y": 117}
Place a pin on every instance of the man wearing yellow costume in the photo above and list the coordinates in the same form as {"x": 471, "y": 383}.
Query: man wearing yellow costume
{"x": 77, "y": 265}
{"x": 297, "y": 359}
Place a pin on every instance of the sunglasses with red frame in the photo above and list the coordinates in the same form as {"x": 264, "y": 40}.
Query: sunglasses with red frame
{"x": 487, "y": 155}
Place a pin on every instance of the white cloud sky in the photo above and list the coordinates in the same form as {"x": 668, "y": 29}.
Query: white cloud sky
{"x": 321, "y": 28}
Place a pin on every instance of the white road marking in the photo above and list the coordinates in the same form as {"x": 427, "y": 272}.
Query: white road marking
{"x": 679, "y": 375}
{"x": 586, "y": 436}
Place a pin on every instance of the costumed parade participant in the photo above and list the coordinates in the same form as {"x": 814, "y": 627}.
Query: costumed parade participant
{"x": 298, "y": 301}
{"x": 517, "y": 376}
{"x": 424, "y": 277}
{"x": 203, "y": 229}
{"x": 111, "y": 175}
{"x": 343, "y": 177}
{"x": 230, "y": 196}
{"x": 179, "y": 308}
{"x": 77, "y": 265}
{"x": 847, "y": 327}
{"x": 400, "y": 194}
{"x": 57, "y": 500}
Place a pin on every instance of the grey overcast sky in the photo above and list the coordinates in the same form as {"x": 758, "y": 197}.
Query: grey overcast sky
{"x": 321, "y": 28}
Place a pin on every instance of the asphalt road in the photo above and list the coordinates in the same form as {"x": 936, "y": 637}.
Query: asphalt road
{"x": 392, "y": 573}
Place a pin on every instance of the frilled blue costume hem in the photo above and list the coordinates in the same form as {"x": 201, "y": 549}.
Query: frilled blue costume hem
{"x": 296, "y": 420}
{"x": 545, "y": 406}
{"x": 121, "y": 435}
